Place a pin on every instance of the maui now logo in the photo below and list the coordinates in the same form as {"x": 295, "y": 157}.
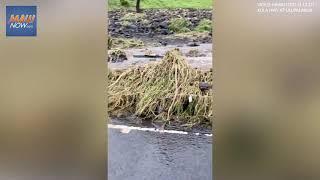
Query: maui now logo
{"x": 21, "y": 20}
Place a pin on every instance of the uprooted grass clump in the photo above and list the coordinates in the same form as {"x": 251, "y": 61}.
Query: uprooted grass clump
{"x": 164, "y": 91}
{"x": 179, "y": 25}
{"x": 193, "y": 35}
{"x": 133, "y": 16}
{"x": 117, "y": 55}
{"x": 205, "y": 25}
{"x": 133, "y": 19}
{"x": 124, "y": 43}
{"x": 195, "y": 53}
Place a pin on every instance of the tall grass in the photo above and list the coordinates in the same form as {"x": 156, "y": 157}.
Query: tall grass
{"x": 164, "y": 4}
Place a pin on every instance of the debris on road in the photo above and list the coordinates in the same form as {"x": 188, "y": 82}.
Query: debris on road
{"x": 168, "y": 84}
{"x": 117, "y": 55}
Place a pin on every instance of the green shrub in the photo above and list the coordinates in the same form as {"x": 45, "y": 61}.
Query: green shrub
{"x": 179, "y": 25}
{"x": 205, "y": 25}
{"x": 124, "y": 3}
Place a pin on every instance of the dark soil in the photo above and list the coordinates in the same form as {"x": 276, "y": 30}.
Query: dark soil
{"x": 158, "y": 23}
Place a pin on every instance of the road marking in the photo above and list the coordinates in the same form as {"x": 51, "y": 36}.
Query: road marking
{"x": 127, "y": 129}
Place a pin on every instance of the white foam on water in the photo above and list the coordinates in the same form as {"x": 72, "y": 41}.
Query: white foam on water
{"x": 127, "y": 129}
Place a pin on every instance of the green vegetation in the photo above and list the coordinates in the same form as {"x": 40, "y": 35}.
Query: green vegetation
{"x": 124, "y": 3}
{"x": 165, "y": 91}
{"x": 205, "y": 25}
{"x": 164, "y": 4}
{"x": 179, "y": 25}
{"x": 132, "y": 17}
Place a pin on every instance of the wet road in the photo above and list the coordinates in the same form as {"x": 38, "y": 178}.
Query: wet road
{"x": 144, "y": 155}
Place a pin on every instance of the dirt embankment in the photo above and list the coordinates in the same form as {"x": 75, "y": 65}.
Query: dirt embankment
{"x": 153, "y": 22}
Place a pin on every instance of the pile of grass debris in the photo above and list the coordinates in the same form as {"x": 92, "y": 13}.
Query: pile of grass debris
{"x": 124, "y": 43}
{"x": 169, "y": 90}
{"x": 117, "y": 55}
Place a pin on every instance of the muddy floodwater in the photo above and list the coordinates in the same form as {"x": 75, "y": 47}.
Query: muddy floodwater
{"x": 204, "y": 62}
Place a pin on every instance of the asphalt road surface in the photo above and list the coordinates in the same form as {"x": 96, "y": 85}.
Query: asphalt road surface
{"x": 145, "y": 155}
